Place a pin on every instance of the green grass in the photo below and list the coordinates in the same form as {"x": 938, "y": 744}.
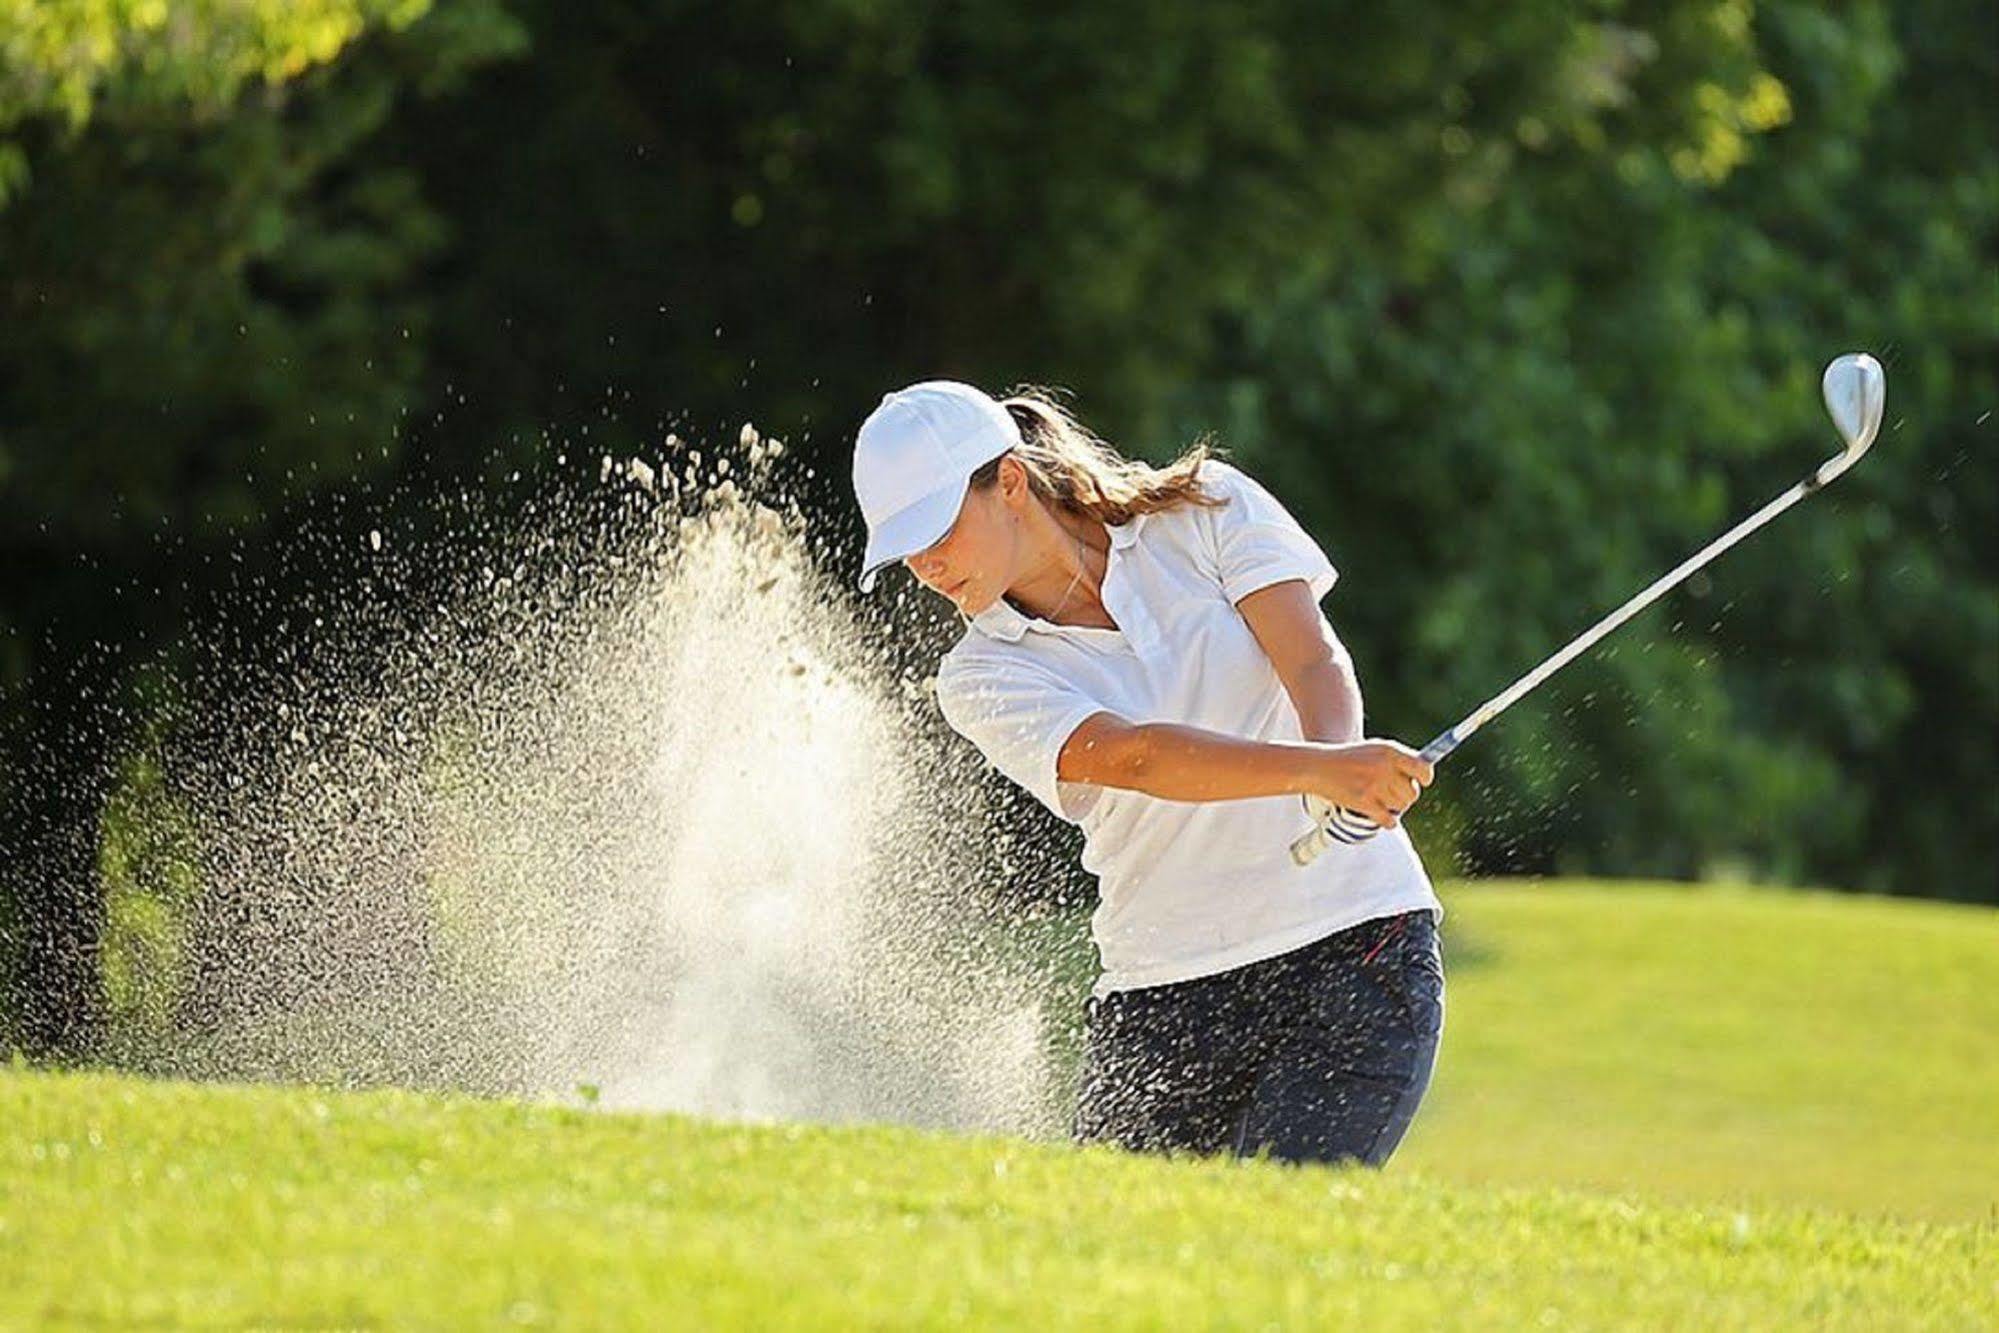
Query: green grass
{"x": 167, "y": 1205}
{"x": 1657, "y": 1107}
{"x": 1708, "y": 1044}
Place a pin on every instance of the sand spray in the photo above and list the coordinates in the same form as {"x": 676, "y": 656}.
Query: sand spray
{"x": 637, "y": 820}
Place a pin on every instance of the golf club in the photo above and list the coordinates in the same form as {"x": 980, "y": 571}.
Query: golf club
{"x": 1855, "y": 390}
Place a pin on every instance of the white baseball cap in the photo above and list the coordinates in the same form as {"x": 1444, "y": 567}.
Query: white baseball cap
{"x": 914, "y": 460}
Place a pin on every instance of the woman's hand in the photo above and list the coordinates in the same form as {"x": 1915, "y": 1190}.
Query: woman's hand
{"x": 1379, "y": 779}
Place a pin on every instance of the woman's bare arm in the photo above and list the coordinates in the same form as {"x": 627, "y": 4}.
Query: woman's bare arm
{"x": 1315, "y": 667}
{"x": 1182, "y": 763}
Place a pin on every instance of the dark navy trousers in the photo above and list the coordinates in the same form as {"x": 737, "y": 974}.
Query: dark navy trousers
{"x": 1317, "y": 1055}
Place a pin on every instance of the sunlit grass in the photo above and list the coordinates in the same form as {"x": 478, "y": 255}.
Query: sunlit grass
{"x": 1658, "y": 1106}
{"x": 1720, "y": 1044}
{"x": 169, "y": 1205}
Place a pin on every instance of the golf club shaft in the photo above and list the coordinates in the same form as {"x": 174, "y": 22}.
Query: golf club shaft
{"x": 1450, "y": 740}
{"x": 1350, "y": 826}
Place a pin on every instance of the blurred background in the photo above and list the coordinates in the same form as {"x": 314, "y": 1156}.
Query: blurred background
{"x": 1514, "y": 304}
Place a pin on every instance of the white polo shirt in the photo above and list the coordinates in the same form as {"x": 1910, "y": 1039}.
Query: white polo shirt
{"x": 1187, "y": 889}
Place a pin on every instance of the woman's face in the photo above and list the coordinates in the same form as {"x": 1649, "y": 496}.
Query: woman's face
{"x": 972, "y": 564}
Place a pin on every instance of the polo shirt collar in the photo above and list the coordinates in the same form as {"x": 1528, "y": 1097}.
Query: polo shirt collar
{"x": 1002, "y": 621}
{"x": 1124, "y": 534}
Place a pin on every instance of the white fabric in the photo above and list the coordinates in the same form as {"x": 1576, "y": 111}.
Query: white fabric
{"x": 912, "y": 460}
{"x": 1187, "y": 889}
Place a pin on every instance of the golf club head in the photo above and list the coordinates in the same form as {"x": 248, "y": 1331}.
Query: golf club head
{"x": 1856, "y": 392}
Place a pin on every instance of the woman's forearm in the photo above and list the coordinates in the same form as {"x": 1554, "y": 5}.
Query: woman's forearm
{"x": 1175, "y": 762}
{"x": 1181, "y": 763}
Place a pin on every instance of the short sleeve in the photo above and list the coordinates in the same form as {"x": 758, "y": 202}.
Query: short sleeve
{"x": 1256, "y": 541}
{"x": 1019, "y": 715}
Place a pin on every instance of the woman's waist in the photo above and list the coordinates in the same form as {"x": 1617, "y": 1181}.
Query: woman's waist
{"x": 1154, "y": 951}
{"x": 1225, "y": 901}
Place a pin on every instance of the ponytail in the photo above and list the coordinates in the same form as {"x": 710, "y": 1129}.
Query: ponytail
{"x": 1068, "y": 466}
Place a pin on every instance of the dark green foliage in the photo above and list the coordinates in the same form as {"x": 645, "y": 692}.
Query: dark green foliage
{"x": 1515, "y": 302}
{"x": 1600, "y": 365}
{"x": 211, "y": 307}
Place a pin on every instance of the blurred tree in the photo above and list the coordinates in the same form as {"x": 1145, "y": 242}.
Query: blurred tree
{"x": 1461, "y": 309}
{"x": 60, "y": 60}
{"x": 1873, "y": 639}
{"x": 1516, "y": 302}
{"x": 206, "y": 312}
{"x": 1612, "y": 353}
{"x": 793, "y": 205}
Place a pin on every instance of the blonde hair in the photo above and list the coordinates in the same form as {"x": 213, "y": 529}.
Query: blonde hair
{"x": 1068, "y": 466}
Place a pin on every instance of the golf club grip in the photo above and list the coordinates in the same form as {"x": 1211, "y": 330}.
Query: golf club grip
{"x": 1441, "y": 745}
{"x": 1342, "y": 825}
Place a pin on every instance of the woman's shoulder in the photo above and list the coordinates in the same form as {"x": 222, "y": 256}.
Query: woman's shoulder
{"x": 1226, "y": 480}
{"x": 978, "y": 654}
{"x": 1229, "y": 491}
{"x": 982, "y": 678}
{"x": 973, "y": 652}
{"x": 1247, "y": 501}
{"x": 1216, "y": 471}
{"x": 965, "y": 654}
{"x": 979, "y": 662}
{"x": 1235, "y": 498}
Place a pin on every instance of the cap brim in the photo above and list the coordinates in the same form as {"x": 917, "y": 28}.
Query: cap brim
{"x": 908, "y": 531}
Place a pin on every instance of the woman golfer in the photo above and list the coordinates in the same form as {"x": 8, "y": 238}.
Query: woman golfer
{"x": 1145, "y": 654}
